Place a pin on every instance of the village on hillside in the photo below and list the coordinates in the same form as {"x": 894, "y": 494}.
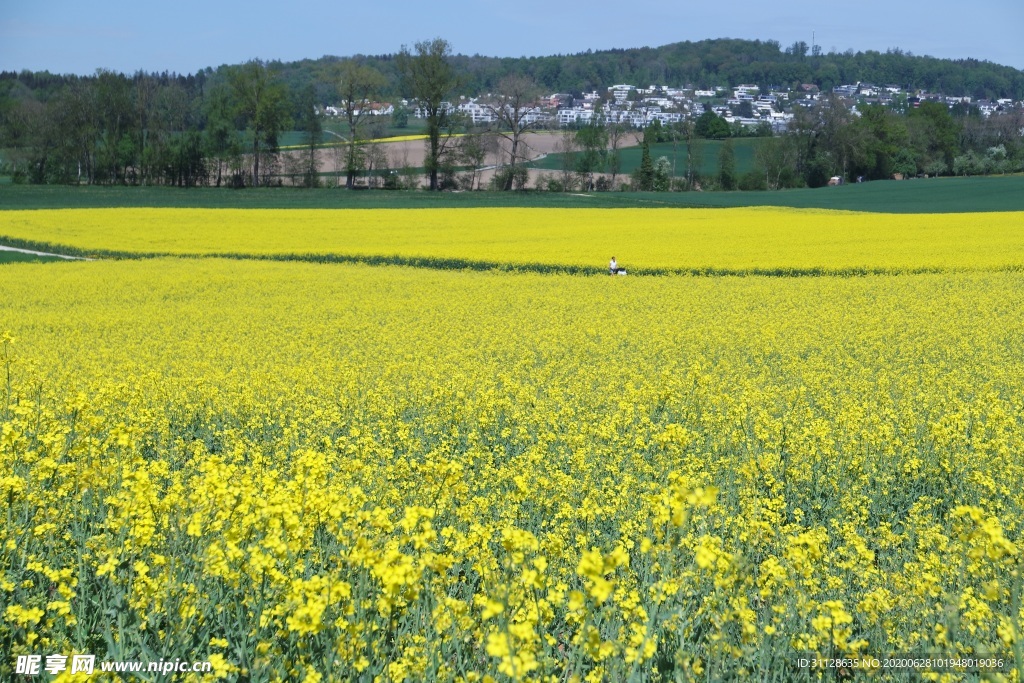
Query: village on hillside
{"x": 745, "y": 105}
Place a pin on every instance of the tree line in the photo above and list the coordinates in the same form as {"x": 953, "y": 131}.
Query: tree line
{"x": 708, "y": 63}
{"x": 872, "y": 142}
{"x": 223, "y": 127}
{"x": 112, "y": 128}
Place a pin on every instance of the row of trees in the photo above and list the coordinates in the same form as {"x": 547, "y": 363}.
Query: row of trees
{"x": 825, "y": 141}
{"x": 224, "y": 127}
{"x": 148, "y": 129}
{"x": 878, "y": 142}
{"x": 217, "y": 128}
{"x": 828, "y": 140}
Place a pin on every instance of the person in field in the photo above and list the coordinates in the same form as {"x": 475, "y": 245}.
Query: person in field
{"x": 613, "y": 267}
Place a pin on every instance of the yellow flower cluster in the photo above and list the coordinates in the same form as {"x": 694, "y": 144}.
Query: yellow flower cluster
{"x": 342, "y": 472}
{"x": 750, "y": 240}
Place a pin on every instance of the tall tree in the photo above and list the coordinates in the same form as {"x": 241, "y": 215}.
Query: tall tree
{"x": 21, "y": 126}
{"x": 694, "y": 161}
{"x": 221, "y": 140}
{"x": 430, "y": 77}
{"x": 262, "y": 104}
{"x": 694, "y": 154}
{"x": 515, "y": 99}
{"x": 878, "y": 136}
{"x": 116, "y": 151}
{"x": 76, "y": 114}
{"x": 358, "y": 86}
{"x": 711, "y": 125}
{"x": 592, "y": 140}
{"x": 168, "y": 121}
{"x": 776, "y": 158}
{"x": 934, "y": 133}
{"x": 145, "y": 88}
{"x": 727, "y": 166}
{"x": 644, "y": 175}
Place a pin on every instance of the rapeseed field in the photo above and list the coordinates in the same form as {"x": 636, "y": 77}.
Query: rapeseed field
{"x": 738, "y": 241}
{"x": 338, "y": 472}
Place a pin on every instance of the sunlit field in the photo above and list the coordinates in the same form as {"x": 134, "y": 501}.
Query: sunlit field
{"x": 741, "y": 241}
{"x": 343, "y": 472}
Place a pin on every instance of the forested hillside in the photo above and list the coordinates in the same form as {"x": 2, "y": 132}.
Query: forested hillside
{"x": 719, "y": 62}
{"x": 702, "y": 63}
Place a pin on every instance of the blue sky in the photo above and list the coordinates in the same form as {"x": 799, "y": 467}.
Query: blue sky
{"x": 185, "y": 36}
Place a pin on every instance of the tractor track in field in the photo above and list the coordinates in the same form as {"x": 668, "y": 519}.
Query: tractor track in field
{"x": 33, "y": 252}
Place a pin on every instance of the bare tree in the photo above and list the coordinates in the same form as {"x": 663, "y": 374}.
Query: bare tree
{"x": 359, "y": 85}
{"x": 514, "y": 102}
{"x": 471, "y": 150}
{"x": 492, "y": 143}
{"x": 376, "y": 160}
{"x": 406, "y": 177}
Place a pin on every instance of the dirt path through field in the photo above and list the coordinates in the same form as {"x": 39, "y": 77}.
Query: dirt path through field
{"x": 411, "y": 154}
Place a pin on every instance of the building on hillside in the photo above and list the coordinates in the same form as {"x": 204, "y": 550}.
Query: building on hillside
{"x": 371, "y": 109}
{"x": 560, "y": 100}
{"x": 477, "y": 113}
{"x": 576, "y": 115}
{"x": 377, "y": 109}
{"x": 421, "y": 113}
{"x": 620, "y": 93}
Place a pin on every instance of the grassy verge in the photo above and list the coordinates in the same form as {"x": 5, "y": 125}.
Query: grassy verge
{"x": 18, "y": 257}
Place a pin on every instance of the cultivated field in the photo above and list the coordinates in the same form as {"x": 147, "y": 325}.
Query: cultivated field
{"x": 399, "y": 154}
{"x": 740, "y": 241}
{"x": 631, "y": 155}
{"x": 343, "y": 471}
{"x": 933, "y": 195}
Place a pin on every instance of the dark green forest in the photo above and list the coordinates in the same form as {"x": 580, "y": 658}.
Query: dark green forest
{"x": 704, "y": 64}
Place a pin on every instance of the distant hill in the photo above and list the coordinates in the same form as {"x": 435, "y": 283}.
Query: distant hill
{"x": 702, "y": 63}
{"x": 717, "y": 62}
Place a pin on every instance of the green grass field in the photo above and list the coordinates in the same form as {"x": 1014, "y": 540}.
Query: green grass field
{"x": 937, "y": 195}
{"x": 709, "y": 164}
{"x": 18, "y": 257}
